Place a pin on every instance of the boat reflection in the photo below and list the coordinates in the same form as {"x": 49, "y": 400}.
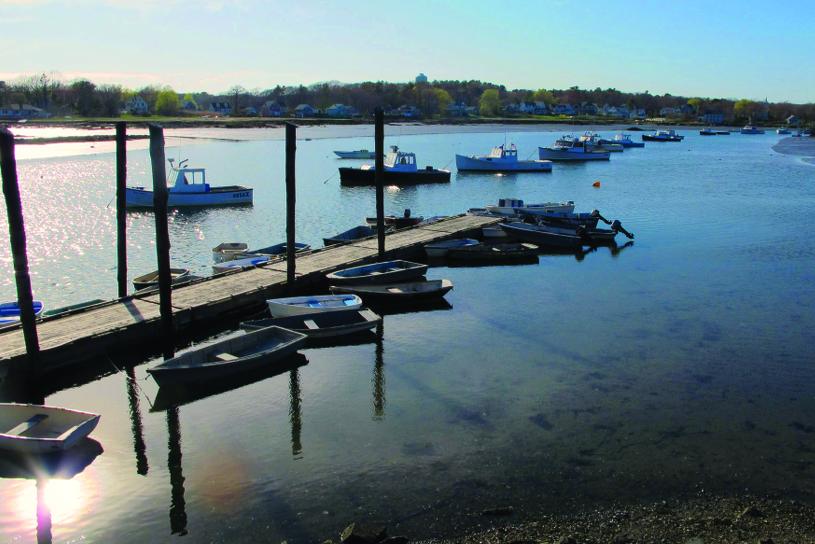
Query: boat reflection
{"x": 409, "y": 307}
{"x": 615, "y": 250}
{"x": 179, "y": 395}
{"x": 136, "y": 422}
{"x": 55, "y": 488}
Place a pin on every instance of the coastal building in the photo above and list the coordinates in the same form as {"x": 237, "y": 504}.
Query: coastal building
{"x": 793, "y": 120}
{"x": 189, "y": 105}
{"x": 588, "y": 108}
{"x": 540, "y": 108}
{"x": 686, "y": 110}
{"x": 270, "y": 108}
{"x": 460, "y": 109}
{"x": 22, "y": 111}
{"x": 341, "y": 110}
{"x": 637, "y": 113}
{"x": 563, "y": 109}
{"x": 304, "y": 110}
{"x": 421, "y": 78}
{"x": 136, "y": 105}
{"x": 249, "y": 111}
{"x": 407, "y": 111}
{"x": 670, "y": 112}
{"x": 221, "y": 108}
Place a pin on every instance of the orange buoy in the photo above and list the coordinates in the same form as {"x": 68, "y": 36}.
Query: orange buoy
{"x": 596, "y": 184}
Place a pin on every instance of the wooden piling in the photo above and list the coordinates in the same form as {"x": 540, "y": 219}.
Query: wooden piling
{"x": 16, "y": 227}
{"x": 160, "y": 196}
{"x": 121, "y": 203}
{"x": 291, "y": 199}
{"x": 379, "y": 179}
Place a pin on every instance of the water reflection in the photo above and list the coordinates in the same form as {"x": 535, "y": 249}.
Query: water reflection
{"x": 178, "y": 512}
{"x": 294, "y": 414}
{"x": 615, "y": 250}
{"x": 379, "y": 373}
{"x": 136, "y": 422}
{"x": 43, "y": 514}
{"x": 408, "y": 307}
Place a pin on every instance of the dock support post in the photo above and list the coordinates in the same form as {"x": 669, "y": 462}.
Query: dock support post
{"x": 291, "y": 199}
{"x": 121, "y": 219}
{"x": 16, "y": 227}
{"x": 379, "y": 179}
{"x": 160, "y": 196}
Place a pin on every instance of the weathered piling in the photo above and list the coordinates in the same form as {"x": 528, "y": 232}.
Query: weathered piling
{"x": 121, "y": 203}
{"x": 379, "y": 179}
{"x": 160, "y": 196}
{"x": 16, "y": 227}
{"x": 291, "y": 199}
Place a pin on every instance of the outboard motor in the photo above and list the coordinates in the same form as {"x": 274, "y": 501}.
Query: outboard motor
{"x": 596, "y": 213}
{"x": 616, "y": 226}
{"x": 407, "y": 213}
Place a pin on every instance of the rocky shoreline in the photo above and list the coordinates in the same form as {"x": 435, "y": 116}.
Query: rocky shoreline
{"x": 699, "y": 520}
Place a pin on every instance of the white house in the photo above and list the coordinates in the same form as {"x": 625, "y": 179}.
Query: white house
{"x": 137, "y": 106}
{"x": 271, "y": 108}
{"x": 340, "y": 110}
{"x": 221, "y": 108}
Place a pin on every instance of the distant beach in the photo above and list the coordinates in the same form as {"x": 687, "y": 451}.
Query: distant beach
{"x": 802, "y": 147}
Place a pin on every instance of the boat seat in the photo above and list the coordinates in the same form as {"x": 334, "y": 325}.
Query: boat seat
{"x": 224, "y": 357}
{"x": 395, "y": 290}
{"x": 26, "y": 426}
{"x": 310, "y": 324}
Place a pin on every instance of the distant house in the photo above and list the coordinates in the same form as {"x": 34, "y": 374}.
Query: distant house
{"x": 540, "y": 108}
{"x": 512, "y": 108}
{"x": 249, "y": 111}
{"x": 588, "y": 108}
{"x": 460, "y": 109}
{"x": 687, "y": 110}
{"x": 22, "y": 111}
{"x": 526, "y": 107}
{"x": 189, "y": 105}
{"x": 409, "y": 112}
{"x": 136, "y": 106}
{"x": 221, "y": 108}
{"x": 340, "y": 110}
{"x": 421, "y": 78}
{"x": 271, "y": 108}
{"x": 670, "y": 112}
{"x": 713, "y": 117}
{"x": 304, "y": 110}
{"x": 793, "y": 120}
{"x": 637, "y": 113}
{"x": 563, "y": 109}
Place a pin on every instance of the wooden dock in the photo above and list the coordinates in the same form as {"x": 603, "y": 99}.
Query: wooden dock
{"x": 131, "y": 325}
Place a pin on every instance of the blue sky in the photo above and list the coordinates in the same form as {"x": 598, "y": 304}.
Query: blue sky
{"x": 696, "y": 48}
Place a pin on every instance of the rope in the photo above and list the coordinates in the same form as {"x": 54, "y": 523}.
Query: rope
{"x": 329, "y": 178}
{"x": 134, "y": 381}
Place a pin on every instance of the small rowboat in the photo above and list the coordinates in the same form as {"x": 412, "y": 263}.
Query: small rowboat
{"x": 440, "y": 249}
{"x": 321, "y": 325}
{"x": 276, "y": 250}
{"x": 228, "y": 251}
{"x": 496, "y": 253}
{"x": 399, "y": 291}
{"x": 227, "y": 357}
{"x": 240, "y": 264}
{"x": 10, "y": 312}
{"x": 290, "y": 306}
{"x": 151, "y": 279}
{"x": 396, "y": 221}
{"x": 358, "y": 154}
{"x": 542, "y": 237}
{"x": 597, "y": 237}
{"x": 350, "y": 235}
{"x": 384, "y": 272}
{"x": 32, "y": 429}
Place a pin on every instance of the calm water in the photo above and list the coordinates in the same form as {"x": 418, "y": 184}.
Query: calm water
{"x": 678, "y": 364}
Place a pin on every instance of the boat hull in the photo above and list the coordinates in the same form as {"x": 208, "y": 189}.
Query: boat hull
{"x": 352, "y": 235}
{"x": 328, "y": 325}
{"x": 652, "y": 138}
{"x": 296, "y": 306}
{"x": 562, "y": 155}
{"x": 60, "y": 430}
{"x": 533, "y": 234}
{"x": 355, "y": 154}
{"x": 195, "y": 366}
{"x": 378, "y": 273}
{"x": 440, "y": 249}
{"x": 398, "y": 292}
{"x": 495, "y": 253}
{"x": 359, "y": 176}
{"x": 218, "y": 196}
{"x": 487, "y": 164}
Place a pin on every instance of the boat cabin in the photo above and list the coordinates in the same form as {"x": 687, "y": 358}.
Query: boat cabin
{"x": 189, "y": 180}
{"x": 502, "y": 152}
{"x": 400, "y": 161}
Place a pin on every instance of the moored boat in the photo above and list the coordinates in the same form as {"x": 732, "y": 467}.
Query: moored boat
{"x": 568, "y": 148}
{"x": 440, "y": 249}
{"x": 501, "y": 159}
{"x": 358, "y": 154}
{"x": 592, "y": 236}
{"x": 323, "y": 324}
{"x": 621, "y": 139}
{"x": 750, "y": 129}
{"x": 783, "y": 131}
{"x": 191, "y": 190}
{"x": 145, "y": 281}
{"x": 399, "y": 169}
{"x": 397, "y": 222}
{"x": 350, "y": 235}
{"x": 276, "y": 250}
{"x": 289, "y": 306}
{"x": 416, "y": 290}
{"x": 526, "y": 232}
{"x": 240, "y": 264}
{"x": 382, "y": 272}
{"x": 495, "y": 253}
{"x": 10, "y": 311}
{"x": 708, "y": 132}
{"x": 591, "y": 139}
{"x": 669, "y": 135}
{"x": 35, "y": 429}
{"x": 228, "y": 251}
{"x": 513, "y": 206}
{"x": 238, "y": 353}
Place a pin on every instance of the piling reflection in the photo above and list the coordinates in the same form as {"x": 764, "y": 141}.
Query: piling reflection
{"x": 178, "y": 512}
{"x": 43, "y": 514}
{"x": 136, "y": 422}
{"x": 294, "y": 413}
{"x": 379, "y": 373}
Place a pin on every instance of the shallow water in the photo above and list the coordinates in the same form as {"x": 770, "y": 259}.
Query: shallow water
{"x": 678, "y": 364}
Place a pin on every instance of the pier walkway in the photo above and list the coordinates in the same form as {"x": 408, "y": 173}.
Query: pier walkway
{"x": 131, "y": 325}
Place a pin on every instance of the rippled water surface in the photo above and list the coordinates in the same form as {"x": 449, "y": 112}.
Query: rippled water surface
{"x": 680, "y": 363}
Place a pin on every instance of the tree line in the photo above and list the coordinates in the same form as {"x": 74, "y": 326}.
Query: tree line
{"x": 84, "y": 98}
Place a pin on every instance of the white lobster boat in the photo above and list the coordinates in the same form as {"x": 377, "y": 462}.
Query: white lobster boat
{"x": 191, "y": 190}
{"x": 501, "y": 159}
{"x": 568, "y": 148}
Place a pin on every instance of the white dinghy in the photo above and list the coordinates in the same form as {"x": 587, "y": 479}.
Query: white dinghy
{"x": 34, "y": 429}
